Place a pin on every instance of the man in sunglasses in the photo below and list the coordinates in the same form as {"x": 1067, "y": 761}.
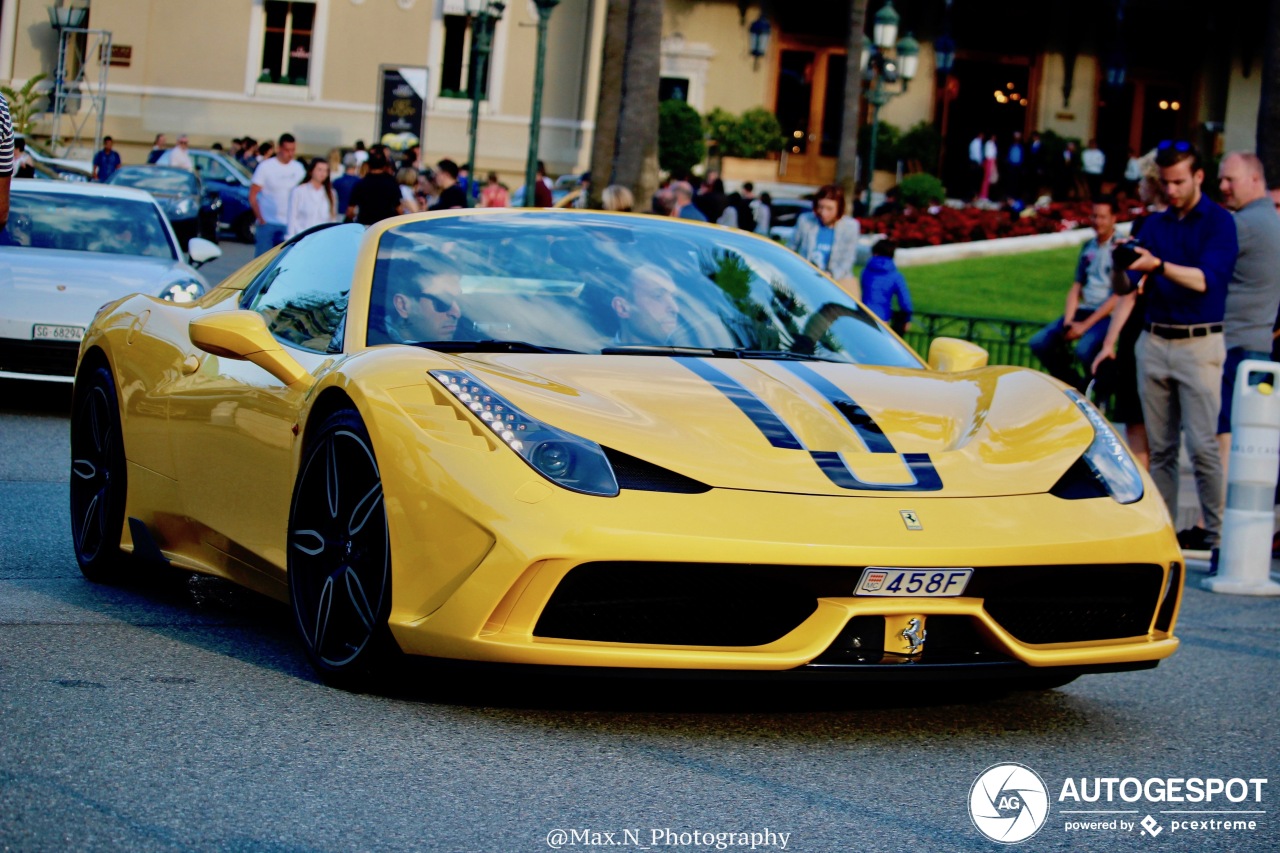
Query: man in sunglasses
{"x": 1185, "y": 258}
{"x": 425, "y": 308}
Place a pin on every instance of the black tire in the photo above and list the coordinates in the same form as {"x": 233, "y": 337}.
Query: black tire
{"x": 339, "y": 557}
{"x": 99, "y": 484}
{"x": 243, "y": 227}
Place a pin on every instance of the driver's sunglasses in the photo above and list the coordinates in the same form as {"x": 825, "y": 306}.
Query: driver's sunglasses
{"x": 440, "y": 304}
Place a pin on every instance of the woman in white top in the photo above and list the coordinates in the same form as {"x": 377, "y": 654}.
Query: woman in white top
{"x": 312, "y": 202}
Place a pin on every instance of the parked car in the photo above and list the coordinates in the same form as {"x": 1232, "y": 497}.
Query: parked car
{"x": 231, "y": 180}
{"x": 70, "y": 248}
{"x": 68, "y": 169}
{"x": 785, "y": 212}
{"x": 586, "y": 439}
{"x": 192, "y": 209}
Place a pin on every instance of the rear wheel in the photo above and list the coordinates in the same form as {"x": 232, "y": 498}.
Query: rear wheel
{"x": 339, "y": 556}
{"x": 98, "y": 483}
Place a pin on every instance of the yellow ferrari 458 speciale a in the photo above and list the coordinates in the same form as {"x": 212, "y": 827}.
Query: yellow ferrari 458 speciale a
{"x": 589, "y": 439}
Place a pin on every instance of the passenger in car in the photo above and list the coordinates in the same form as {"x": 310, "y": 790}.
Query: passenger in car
{"x": 648, "y": 314}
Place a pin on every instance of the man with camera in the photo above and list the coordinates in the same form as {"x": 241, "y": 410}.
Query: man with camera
{"x": 1079, "y": 332}
{"x": 1183, "y": 264}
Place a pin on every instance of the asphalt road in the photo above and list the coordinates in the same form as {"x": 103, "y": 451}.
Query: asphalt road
{"x": 186, "y": 718}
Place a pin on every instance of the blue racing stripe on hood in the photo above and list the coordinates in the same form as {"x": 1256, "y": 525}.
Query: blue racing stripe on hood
{"x": 873, "y": 438}
{"x": 753, "y": 407}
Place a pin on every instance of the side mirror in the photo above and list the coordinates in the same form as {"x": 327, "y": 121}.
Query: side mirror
{"x": 952, "y": 355}
{"x": 244, "y": 336}
{"x": 201, "y": 251}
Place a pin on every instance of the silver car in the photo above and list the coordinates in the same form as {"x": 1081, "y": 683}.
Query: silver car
{"x": 68, "y": 250}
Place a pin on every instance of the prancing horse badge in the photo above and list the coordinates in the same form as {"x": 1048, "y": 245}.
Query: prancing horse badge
{"x": 910, "y": 519}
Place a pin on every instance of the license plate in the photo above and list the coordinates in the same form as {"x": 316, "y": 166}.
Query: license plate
{"x": 913, "y": 583}
{"x": 58, "y": 333}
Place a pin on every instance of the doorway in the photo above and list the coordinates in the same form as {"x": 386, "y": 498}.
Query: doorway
{"x": 810, "y": 108}
{"x": 985, "y": 96}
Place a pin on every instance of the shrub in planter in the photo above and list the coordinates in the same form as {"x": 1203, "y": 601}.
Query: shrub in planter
{"x": 920, "y": 147}
{"x": 680, "y": 142}
{"x": 886, "y": 146}
{"x": 922, "y": 190}
{"x": 759, "y": 134}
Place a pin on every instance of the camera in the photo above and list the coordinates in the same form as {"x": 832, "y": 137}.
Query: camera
{"x": 1124, "y": 254}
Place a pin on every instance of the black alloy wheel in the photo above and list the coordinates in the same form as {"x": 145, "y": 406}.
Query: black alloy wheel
{"x": 339, "y": 556}
{"x": 98, "y": 482}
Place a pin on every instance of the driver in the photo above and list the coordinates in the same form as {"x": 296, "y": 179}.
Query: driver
{"x": 648, "y": 314}
{"x": 425, "y": 308}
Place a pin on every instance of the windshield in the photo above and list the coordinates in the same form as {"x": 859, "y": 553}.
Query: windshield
{"x": 613, "y": 284}
{"x": 117, "y": 226}
{"x": 155, "y": 180}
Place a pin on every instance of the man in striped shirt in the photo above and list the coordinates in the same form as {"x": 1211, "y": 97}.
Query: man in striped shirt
{"x": 6, "y": 159}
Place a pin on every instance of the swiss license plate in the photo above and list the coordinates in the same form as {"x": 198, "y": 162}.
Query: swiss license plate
{"x": 58, "y": 333}
{"x": 913, "y": 583}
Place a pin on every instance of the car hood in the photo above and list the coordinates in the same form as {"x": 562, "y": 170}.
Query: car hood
{"x": 62, "y": 286}
{"x": 807, "y": 427}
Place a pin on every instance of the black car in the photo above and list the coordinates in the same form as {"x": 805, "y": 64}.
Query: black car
{"x": 192, "y": 210}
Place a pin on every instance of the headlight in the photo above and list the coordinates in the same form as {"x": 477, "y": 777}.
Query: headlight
{"x": 183, "y": 207}
{"x": 566, "y": 459}
{"x": 183, "y": 291}
{"x": 1108, "y": 458}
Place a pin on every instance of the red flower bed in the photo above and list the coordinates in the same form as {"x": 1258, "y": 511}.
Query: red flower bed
{"x": 949, "y": 225}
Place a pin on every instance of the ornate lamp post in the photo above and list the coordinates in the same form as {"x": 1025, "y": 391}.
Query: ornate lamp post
{"x": 484, "y": 14}
{"x": 881, "y": 69}
{"x": 535, "y": 120}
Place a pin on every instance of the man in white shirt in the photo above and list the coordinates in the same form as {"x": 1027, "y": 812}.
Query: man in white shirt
{"x": 179, "y": 157}
{"x": 1092, "y": 162}
{"x": 273, "y": 180}
{"x": 976, "y": 151}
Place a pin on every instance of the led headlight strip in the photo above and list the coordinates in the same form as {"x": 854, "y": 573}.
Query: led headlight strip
{"x": 568, "y": 460}
{"x": 1107, "y": 456}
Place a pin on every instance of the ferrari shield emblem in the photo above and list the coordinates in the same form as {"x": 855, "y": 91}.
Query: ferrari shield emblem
{"x": 910, "y": 519}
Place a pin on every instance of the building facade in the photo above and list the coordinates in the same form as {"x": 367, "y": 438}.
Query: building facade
{"x": 1126, "y": 72}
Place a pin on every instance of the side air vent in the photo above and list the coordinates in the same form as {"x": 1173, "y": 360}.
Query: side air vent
{"x": 633, "y": 473}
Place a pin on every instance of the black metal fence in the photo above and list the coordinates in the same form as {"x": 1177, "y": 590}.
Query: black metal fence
{"x": 1005, "y": 340}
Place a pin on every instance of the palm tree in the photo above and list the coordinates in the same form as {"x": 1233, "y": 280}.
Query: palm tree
{"x": 846, "y": 163}
{"x": 625, "y": 150}
{"x": 1269, "y": 105}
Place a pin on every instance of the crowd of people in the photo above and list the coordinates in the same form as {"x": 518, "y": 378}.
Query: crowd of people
{"x": 1160, "y": 322}
{"x": 1016, "y": 171}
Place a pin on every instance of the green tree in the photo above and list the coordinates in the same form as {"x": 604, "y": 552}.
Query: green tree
{"x": 680, "y": 142}
{"x": 846, "y": 162}
{"x": 22, "y": 103}
{"x": 625, "y": 150}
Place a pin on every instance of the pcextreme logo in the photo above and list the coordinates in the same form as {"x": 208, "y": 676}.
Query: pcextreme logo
{"x": 1008, "y": 803}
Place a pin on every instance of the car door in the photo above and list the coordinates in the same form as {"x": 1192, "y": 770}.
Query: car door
{"x": 232, "y": 422}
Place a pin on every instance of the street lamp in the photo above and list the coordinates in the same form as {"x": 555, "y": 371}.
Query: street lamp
{"x": 760, "y": 31}
{"x": 484, "y": 15}
{"x": 535, "y": 120}
{"x": 880, "y": 68}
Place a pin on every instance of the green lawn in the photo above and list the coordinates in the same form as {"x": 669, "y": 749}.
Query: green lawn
{"x": 1031, "y": 286}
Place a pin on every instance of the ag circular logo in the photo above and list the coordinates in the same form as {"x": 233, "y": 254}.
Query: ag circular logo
{"x": 1008, "y": 803}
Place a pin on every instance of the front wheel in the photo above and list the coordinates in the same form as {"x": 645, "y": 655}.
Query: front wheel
{"x": 98, "y": 483}
{"x": 339, "y": 556}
